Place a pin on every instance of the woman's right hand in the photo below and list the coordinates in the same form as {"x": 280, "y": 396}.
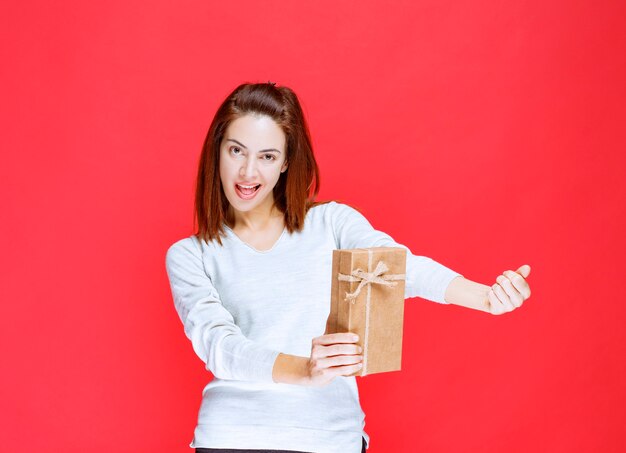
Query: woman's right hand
{"x": 332, "y": 355}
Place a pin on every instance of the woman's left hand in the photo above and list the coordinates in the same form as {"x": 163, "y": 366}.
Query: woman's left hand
{"x": 510, "y": 291}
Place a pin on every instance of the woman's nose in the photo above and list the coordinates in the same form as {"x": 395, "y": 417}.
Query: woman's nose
{"x": 248, "y": 168}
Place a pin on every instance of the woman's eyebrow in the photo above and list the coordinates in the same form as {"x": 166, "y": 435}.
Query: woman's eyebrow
{"x": 244, "y": 146}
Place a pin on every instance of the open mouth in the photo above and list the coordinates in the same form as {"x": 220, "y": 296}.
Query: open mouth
{"x": 246, "y": 191}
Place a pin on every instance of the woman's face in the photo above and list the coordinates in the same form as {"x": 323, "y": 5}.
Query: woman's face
{"x": 252, "y": 153}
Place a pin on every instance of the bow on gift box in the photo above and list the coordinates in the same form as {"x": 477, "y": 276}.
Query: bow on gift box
{"x": 366, "y": 278}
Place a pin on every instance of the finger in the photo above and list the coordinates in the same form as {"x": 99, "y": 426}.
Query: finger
{"x": 524, "y": 270}
{"x": 332, "y": 338}
{"x": 519, "y": 282}
{"x": 342, "y": 348}
{"x": 347, "y": 370}
{"x": 514, "y": 296}
{"x": 504, "y": 298}
{"x": 339, "y": 360}
{"x": 495, "y": 305}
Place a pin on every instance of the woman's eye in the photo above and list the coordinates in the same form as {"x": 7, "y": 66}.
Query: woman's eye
{"x": 234, "y": 148}
{"x": 271, "y": 158}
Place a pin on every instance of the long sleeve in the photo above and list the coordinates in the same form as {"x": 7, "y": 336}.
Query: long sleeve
{"x": 215, "y": 337}
{"x": 425, "y": 277}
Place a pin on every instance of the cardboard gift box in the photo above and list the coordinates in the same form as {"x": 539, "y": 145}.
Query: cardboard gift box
{"x": 367, "y": 298}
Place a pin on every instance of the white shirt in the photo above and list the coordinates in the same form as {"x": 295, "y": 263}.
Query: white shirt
{"x": 241, "y": 307}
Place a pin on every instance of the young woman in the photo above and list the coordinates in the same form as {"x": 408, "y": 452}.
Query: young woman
{"x": 252, "y": 286}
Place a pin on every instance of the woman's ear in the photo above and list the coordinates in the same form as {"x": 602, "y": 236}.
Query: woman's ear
{"x": 284, "y": 168}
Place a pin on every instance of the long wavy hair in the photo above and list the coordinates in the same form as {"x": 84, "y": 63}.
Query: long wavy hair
{"x": 296, "y": 188}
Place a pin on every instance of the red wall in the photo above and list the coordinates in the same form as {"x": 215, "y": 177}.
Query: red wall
{"x": 485, "y": 135}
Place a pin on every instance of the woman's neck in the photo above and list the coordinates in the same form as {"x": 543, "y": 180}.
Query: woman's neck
{"x": 255, "y": 220}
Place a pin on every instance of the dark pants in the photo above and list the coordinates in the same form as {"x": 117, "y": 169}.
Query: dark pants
{"x": 231, "y": 450}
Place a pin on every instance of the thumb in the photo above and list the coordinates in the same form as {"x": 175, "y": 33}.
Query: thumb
{"x": 524, "y": 270}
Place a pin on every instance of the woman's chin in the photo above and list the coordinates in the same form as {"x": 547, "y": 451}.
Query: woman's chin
{"x": 245, "y": 205}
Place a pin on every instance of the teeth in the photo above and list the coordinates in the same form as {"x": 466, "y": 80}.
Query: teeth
{"x": 247, "y": 187}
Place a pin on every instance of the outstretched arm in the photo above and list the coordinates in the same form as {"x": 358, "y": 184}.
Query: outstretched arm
{"x": 508, "y": 293}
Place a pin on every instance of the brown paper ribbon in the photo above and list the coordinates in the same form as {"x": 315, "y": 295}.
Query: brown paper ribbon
{"x": 379, "y": 277}
{"x": 367, "y": 278}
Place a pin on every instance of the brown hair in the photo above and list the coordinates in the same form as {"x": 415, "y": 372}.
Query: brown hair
{"x": 297, "y": 187}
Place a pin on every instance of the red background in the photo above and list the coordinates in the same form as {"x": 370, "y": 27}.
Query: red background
{"x": 485, "y": 135}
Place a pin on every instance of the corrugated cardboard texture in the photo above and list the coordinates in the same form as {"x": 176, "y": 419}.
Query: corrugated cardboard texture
{"x": 380, "y": 328}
